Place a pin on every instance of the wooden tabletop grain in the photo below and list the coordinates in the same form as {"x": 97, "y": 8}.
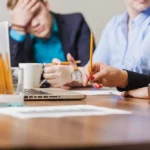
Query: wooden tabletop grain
{"x": 114, "y": 132}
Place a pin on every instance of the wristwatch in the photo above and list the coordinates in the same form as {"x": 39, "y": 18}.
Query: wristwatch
{"x": 76, "y": 75}
{"x": 149, "y": 89}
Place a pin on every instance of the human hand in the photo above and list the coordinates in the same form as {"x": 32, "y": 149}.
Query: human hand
{"x": 69, "y": 59}
{"x": 24, "y": 11}
{"x": 59, "y": 75}
{"x": 137, "y": 93}
{"x": 106, "y": 75}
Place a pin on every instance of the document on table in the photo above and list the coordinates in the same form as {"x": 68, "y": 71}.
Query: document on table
{"x": 98, "y": 92}
{"x": 60, "y": 111}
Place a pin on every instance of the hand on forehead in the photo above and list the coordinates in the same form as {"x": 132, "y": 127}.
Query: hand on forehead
{"x": 26, "y": 2}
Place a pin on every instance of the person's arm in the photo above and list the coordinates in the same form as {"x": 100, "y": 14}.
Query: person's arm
{"x": 138, "y": 93}
{"x": 109, "y": 76}
{"x": 21, "y": 16}
{"x": 16, "y": 43}
{"x": 21, "y": 48}
{"x": 136, "y": 80}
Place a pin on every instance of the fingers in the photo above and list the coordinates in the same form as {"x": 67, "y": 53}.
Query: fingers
{"x": 52, "y": 72}
{"x": 127, "y": 93}
{"x": 65, "y": 87}
{"x": 138, "y": 93}
{"x": 96, "y": 85}
{"x": 50, "y": 75}
{"x": 49, "y": 65}
{"x": 53, "y": 82}
{"x": 48, "y": 69}
{"x": 23, "y": 3}
{"x": 56, "y": 61}
{"x": 98, "y": 76}
{"x": 131, "y": 93}
{"x": 124, "y": 94}
{"x": 95, "y": 68}
{"x": 35, "y": 7}
{"x": 31, "y": 5}
{"x": 86, "y": 80}
{"x": 71, "y": 59}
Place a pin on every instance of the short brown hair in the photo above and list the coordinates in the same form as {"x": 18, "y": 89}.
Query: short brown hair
{"x": 12, "y": 3}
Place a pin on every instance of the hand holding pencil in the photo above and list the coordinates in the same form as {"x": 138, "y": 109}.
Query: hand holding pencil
{"x": 70, "y": 61}
{"x": 59, "y": 73}
{"x": 92, "y": 68}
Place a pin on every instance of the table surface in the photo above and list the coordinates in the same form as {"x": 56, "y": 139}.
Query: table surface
{"x": 95, "y": 132}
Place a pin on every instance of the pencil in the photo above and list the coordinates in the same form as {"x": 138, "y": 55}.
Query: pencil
{"x": 62, "y": 63}
{"x": 9, "y": 81}
{"x": 68, "y": 63}
{"x": 3, "y": 89}
{"x": 5, "y": 75}
{"x": 91, "y": 52}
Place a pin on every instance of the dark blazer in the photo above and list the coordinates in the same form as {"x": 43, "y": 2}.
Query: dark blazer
{"x": 74, "y": 35}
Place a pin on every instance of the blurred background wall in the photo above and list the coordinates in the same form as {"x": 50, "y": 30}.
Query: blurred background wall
{"x": 96, "y": 12}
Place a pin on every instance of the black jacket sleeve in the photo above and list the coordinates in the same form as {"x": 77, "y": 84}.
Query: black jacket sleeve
{"x": 75, "y": 34}
{"x": 83, "y": 44}
{"x": 136, "y": 80}
{"x": 14, "y": 52}
{"x": 21, "y": 52}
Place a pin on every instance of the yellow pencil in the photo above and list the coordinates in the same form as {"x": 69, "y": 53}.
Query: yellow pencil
{"x": 62, "y": 63}
{"x": 91, "y": 52}
{"x": 68, "y": 63}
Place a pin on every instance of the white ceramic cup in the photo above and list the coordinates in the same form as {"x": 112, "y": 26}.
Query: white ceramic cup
{"x": 32, "y": 74}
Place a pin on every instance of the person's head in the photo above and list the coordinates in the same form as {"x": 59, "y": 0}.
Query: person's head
{"x": 41, "y": 23}
{"x": 137, "y": 5}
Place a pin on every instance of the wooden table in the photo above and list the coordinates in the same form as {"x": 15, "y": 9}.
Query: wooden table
{"x": 112, "y": 132}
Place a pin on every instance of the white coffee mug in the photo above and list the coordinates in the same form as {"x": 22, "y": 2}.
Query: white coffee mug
{"x": 32, "y": 74}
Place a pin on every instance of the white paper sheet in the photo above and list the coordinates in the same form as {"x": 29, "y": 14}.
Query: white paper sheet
{"x": 59, "y": 111}
{"x": 98, "y": 92}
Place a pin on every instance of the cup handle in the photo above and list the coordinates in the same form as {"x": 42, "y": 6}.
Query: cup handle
{"x": 43, "y": 80}
{"x": 42, "y": 83}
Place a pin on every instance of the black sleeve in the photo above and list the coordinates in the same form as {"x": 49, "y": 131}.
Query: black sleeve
{"x": 14, "y": 52}
{"x": 83, "y": 45}
{"x": 136, "y": 80}
{"x": 21, "y": 52}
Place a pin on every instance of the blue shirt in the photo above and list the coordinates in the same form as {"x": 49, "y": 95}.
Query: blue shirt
{"x": 44, "y": 49}
{"x": 125, "y": 49}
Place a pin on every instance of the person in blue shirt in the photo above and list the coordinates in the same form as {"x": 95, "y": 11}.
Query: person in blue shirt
{"x": 39, "y": 35}
{"x": 125, "y": 42}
